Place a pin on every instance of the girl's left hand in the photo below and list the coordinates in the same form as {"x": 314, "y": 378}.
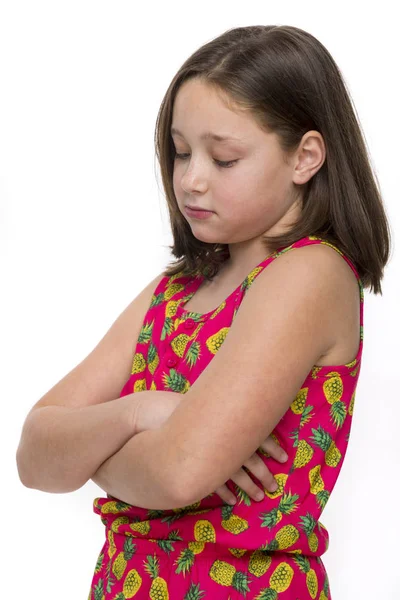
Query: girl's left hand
{"x": 258, "y": 468}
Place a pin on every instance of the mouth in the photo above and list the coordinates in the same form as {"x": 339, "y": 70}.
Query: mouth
{"x": 198, "y": 213}
{"x": 197, "y": 208}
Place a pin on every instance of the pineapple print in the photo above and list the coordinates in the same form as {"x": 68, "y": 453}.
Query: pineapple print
{"x": 179, "y": 344}
{"x": 308, "y": 524}
{"x": 119, "y": 564}
{"x": 324, "y": 440}
{"x": 311, "y": 577}
{"x": 132, "y": 584}
{"x": 214, "y": 342}
{"x": 232, "y": 523}
{"x": 303, "y": 456}
{"x": 282, "y": 577}
{"x": 159, "y": 587}
{"x": 287, "y": 505}
{"x": 259, "y": 563}
{"x": 152, "y": 358}
{"x": 333, "y": 390}
{"x": 317, "y": 486}
{"x": 204, "y": 531}
{"x": 139, "y": 363}
{"x": 299, "y": 402}
{"x": 225, "y": 574}
{"x": 288, "y": 528}
{"x": 284, "y": 538}
{"x": 175, "y": 381}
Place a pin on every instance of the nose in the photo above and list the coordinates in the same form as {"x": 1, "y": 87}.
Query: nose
{"x": 195, "y": 175}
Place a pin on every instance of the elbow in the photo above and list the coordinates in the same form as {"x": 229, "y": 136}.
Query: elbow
{"x": 61, "y": 485}
{"x": 185, "y": 491}
{"x": 23, "y": 472}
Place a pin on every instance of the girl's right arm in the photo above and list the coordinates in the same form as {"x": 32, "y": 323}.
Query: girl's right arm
{"x": 62, "y": 446}
{"x": 82, "y": 421}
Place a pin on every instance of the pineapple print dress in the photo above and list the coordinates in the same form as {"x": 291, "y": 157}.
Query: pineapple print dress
{"x": 210, "y": 550}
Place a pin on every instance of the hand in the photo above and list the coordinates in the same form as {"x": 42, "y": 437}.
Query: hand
{"x": 256, "y": 465}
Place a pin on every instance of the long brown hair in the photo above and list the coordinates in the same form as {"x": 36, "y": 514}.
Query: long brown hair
{"x": 290, "y": 84}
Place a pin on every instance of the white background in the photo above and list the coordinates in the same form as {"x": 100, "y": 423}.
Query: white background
{"x": 84, "y": 228}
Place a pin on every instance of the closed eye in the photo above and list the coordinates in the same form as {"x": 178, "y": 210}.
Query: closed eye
{"x": 221, "y": 163}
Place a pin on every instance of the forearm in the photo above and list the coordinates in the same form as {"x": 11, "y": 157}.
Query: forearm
{"x": 61, "y": 447}
{"x": 141, "y": 473}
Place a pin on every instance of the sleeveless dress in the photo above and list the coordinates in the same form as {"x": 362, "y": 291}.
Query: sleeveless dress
{"x": 255, "y": 550}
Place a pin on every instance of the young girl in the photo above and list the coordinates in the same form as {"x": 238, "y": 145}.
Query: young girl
{"x": 278, "y": 226}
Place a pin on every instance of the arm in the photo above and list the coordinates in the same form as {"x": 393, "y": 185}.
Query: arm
{"x": 62, "y": 446}
{"x": 140, "y": 473}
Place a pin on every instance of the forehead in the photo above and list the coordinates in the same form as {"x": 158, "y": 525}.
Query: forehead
{"x": 200, "y": 106}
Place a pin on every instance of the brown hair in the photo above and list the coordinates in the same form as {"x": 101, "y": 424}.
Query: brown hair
{"x": 290, "y": 83}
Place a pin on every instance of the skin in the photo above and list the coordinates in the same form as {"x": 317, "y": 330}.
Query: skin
{"x": 259, "y": 194}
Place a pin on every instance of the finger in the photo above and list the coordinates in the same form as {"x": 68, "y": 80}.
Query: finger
{"x": 225, "y": 493}
{"x": 242, "y": 479}
{"x": 274, "y": 449}
{"x": 259, "y": 469}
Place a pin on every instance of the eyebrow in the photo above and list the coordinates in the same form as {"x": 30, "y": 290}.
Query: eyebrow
{"x": 209, "y": 135}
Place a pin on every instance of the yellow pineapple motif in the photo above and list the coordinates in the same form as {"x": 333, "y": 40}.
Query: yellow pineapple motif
{"x": 308, "y": 526}
{"x": 172, "y": 289}
{"x": 204, "y": 531}
{"x": 179, "y": 344}
{"x": 299, "y": 402}
{"x": 122, "y": 558}
{"x": 139, "y": 385}
{"x": 215, "y": 341}
{"x": 142, "y": 527}
{"x": 159, "y": 587}
{"x": 317, "y": 486}
{"x": 139, "y": 363}
{"x": 153, "y": 385}
{"x": 176, "y": 276}
{"x": 111, "y": 544}
{"x": 132, "y": 584}
{"x": 117, "y": 522}
{"x": 225, "y": 574}
{"x": 114, "y": 507}
{"x": 259, "y": 563}
{"x": 304, "y": 454}
{"x": 196, "y": 547}
{"x": 171, "y": 307}
{"x": 351, "y": 405}
{"x": 280, "y": 479}
{"x": 311, "y": 578}
{"x": 233, "y": 523}
{"x": 238, "y": 552}
{"x": 153, "y": 359}
{"x": 146, "y": 332}
{"x": 286, "y": 537}
{"x": 282, "y": 577}
{"x": 175, "y": 381}
{"x": 324, "y": 440}
{"x": 287, "y": 505}
{"x": 333, "y": 391}
{"x": 316, "y": 482}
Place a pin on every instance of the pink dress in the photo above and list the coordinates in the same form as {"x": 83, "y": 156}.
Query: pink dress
{"x": 255, "y": 550}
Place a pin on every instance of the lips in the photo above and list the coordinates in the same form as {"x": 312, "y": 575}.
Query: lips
{"x": 197, "y": 208}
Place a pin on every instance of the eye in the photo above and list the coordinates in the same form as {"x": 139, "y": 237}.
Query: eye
{"x": 225, "y": 164}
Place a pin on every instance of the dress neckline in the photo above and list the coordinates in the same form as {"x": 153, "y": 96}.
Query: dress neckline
{"x": 195, "y": 284}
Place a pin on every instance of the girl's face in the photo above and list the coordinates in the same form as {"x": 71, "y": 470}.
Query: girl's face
{"x": 251, "y": 192}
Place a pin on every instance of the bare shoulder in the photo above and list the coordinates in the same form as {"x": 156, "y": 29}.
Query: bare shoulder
{"x": 343, "y": 301}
